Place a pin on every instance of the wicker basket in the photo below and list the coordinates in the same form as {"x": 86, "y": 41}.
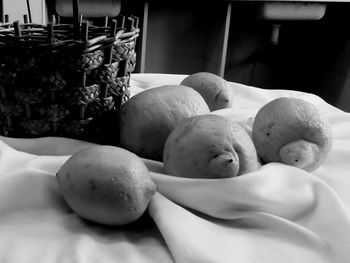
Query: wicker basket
{"x": 64, "y": 79}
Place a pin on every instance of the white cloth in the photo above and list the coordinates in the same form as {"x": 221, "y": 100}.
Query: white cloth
{"x": 276, "y": 214}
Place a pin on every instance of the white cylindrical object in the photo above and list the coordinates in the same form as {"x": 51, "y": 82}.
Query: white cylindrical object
{"x": 292, "y": 11}
{"x": 89, "y": 8}
{"x": 275, "y": 33}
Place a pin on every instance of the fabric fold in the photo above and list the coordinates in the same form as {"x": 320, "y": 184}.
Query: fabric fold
{"x": 276, "y": 214}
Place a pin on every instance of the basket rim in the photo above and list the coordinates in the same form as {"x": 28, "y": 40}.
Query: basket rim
{"x": 61, "y": 36}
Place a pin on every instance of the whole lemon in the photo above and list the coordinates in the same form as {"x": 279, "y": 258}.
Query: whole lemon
{"x": 106, "y": 184}
{"x": 214, "y": 89}
{"x": 292, "y": 131}
{"x": 209, "y": 146}
{"x": 147, "y": 118}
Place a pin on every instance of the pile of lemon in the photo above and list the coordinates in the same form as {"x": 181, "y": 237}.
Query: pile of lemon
{"x": 175, "y": 124}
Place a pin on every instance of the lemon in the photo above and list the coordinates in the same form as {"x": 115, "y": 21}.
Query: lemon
{"x": 107, "y": 185}
{"x": 147, "y": 118}
{"x": 292, "y": 131}
{"x": 214, "y": 89}
{"x": 209, "y": 146}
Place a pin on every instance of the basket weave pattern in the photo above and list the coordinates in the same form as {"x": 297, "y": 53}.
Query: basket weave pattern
{"x": 59, "y": 79}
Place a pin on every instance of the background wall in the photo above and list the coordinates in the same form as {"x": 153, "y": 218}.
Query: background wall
{"x": 312, "y": 56}
{"x": 17, "y": 8}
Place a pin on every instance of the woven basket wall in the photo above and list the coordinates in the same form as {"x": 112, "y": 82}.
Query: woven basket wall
{"x": 64, "y": 79}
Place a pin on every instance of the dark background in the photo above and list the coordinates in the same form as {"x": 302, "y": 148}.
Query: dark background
{"x": 184, "y": 37}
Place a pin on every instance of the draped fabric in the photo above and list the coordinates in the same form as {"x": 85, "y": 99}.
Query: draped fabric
{"x": 276, "y": 214}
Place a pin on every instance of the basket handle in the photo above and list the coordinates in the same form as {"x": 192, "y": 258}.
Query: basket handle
{"x": 29, "y": 11}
